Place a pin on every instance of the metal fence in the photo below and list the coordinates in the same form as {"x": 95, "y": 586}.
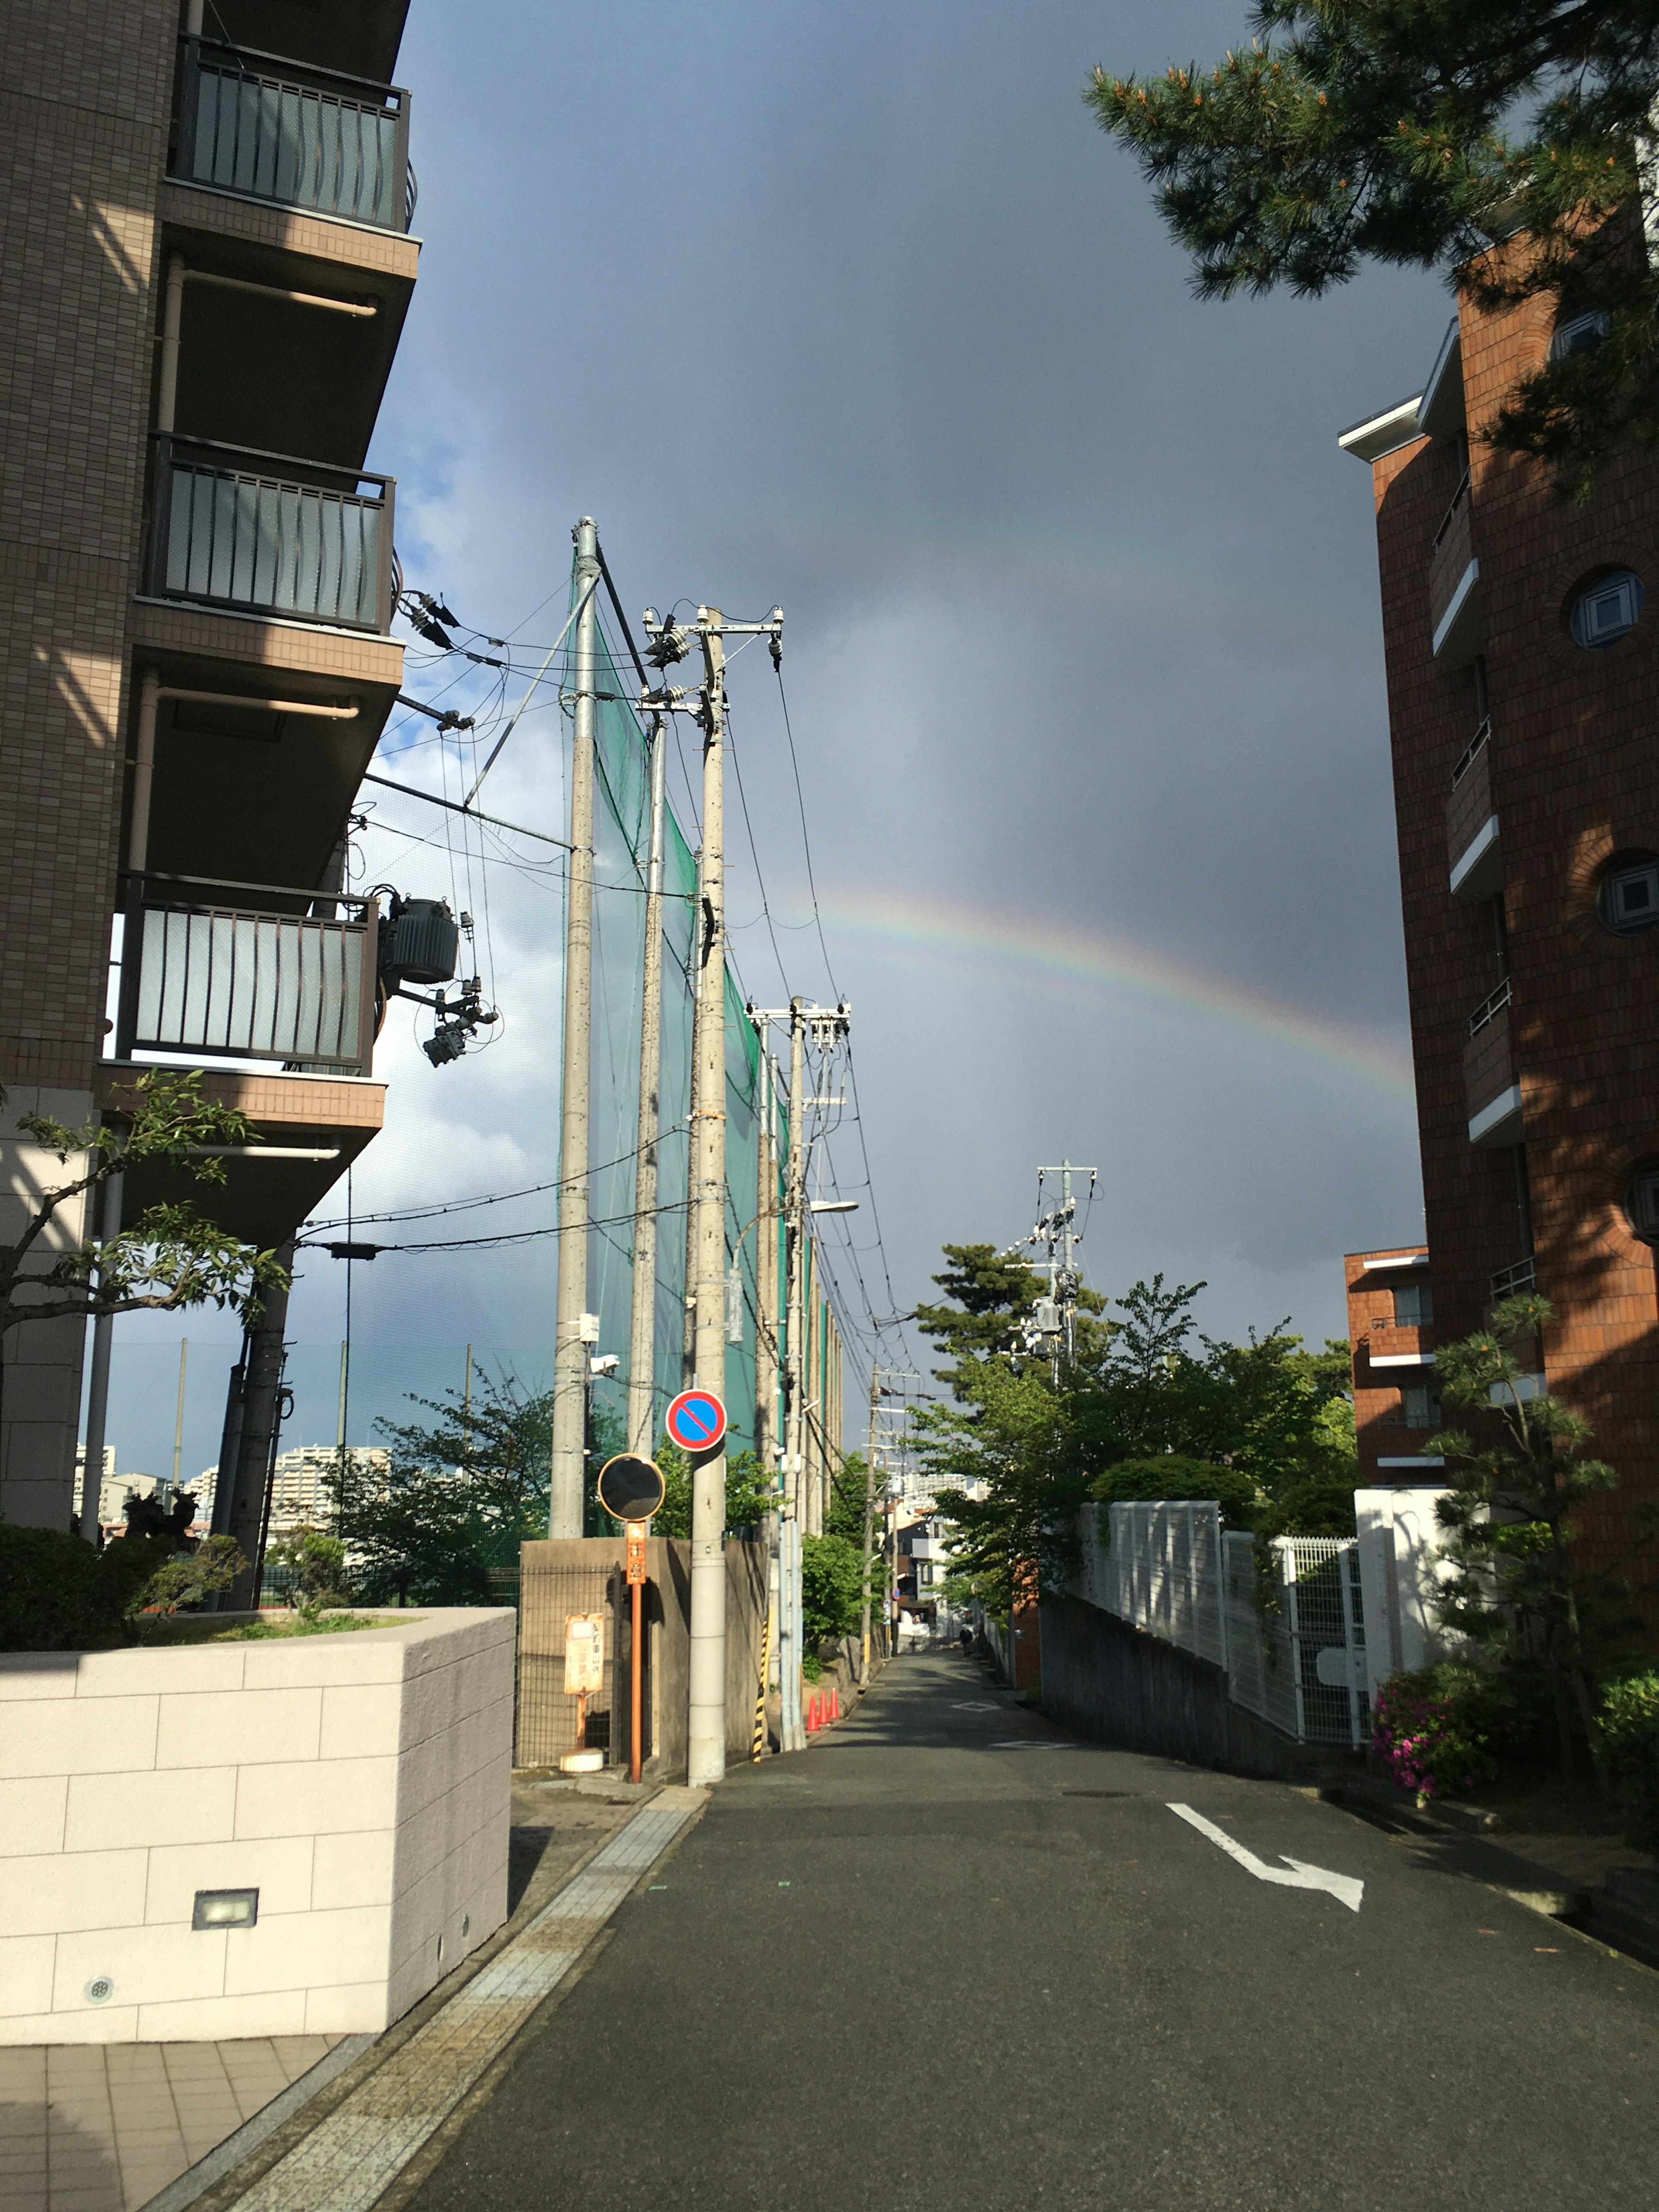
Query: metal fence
{"x": 1288, "y": 1626}
{"x": 547, "y": 1714}
{"x": 288, "y": 537}
{"x": 290, "y": 988}
{"x": 310, "y": 138}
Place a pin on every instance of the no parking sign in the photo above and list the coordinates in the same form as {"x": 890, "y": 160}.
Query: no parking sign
{"x": 696, "y": 1421}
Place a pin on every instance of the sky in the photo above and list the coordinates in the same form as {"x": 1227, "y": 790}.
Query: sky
{"x": 855, "y": 310}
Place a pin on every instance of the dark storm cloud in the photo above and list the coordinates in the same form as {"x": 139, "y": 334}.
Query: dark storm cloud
{"x": 851, "y": 307}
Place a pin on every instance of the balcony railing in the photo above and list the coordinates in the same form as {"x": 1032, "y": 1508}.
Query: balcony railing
{"x": 268, "y": 535}
{"x": 1509, "y": 1282}
{"x": 1490, "y": 1008}
{"x": 243, "y": 984}
{"x": 1472, "y": 752}
{"x": 1450, "y": 516}
{"x": 274, "y": 130}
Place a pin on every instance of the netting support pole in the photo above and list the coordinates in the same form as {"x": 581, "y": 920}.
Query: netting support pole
{"x": 642, "y": 1332}
{"x": 707, "y": 1734}
{"x": 571, "y": 1352}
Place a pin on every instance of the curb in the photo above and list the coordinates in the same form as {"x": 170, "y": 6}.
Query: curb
{"x": 388, "y": 2107}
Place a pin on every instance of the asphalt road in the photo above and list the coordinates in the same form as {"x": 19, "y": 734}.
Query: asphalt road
{"x": 951, "y": 1957}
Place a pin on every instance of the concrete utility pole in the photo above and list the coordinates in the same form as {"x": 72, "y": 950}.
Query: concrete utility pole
{"x": 869, "y": 1531}
{"x": 706, "y": 1255}
{"x": 642, "y": 1332}
{"x": 707, "y": 1760}
{"x": 794, "y": 1211}
{"x": 239, "y": 1503}
{"x": 570, "y": 1355}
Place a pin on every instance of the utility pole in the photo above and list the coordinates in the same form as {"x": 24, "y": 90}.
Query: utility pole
{"x": 869, "y": 1530}
{"x": 642, "y": 1332}
{"x": 1054, "y": 1321}
{"x": 706, "y": 1762}
{"x": 243, "y": 1486}
{"x": 179, "y": 1418}
{"x": 570, "y": 1356}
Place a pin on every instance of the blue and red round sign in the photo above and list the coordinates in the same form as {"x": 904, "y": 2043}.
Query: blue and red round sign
{"x": 696, "y": 1421}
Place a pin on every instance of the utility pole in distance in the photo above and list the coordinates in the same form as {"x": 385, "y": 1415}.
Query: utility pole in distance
{"x": 570, "y": 1356}
{"x": 1058, "y": 1323}
{"x": 705, "y": 1760}
{"x": 642, "y": 1330}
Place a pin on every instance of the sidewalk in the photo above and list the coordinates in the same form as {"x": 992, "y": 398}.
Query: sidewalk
{"x": 103, "y": 2127}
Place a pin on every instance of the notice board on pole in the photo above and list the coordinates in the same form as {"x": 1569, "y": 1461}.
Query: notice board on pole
{"x": 584, "y": 1652}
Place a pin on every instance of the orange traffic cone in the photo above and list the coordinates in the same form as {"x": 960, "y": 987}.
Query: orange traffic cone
{"x": 835, "y": 1704}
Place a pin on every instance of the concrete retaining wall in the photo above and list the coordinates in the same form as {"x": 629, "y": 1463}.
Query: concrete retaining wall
{"x": 1111, "y": 1681}
{"x": 360, "y": 1783}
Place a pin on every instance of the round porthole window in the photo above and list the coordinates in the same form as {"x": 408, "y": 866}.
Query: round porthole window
{"x": 1607, "y": 609}
{"x": 1627, "y": 895}
{"x": 1642, "y": 1202}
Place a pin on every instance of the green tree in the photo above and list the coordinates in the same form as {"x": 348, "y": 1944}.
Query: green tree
{"x": 831, "y": 1583}
{"x": 316, "y": 1568}
{"x": 750, "y": 1493}
{"x": 1421, "y": 133}
{"x": 1509, "y": 1520}
{"x": 1013, "y": 1452}
{"x": 170, "y": 1256}
{"x": 464, "y": 1486}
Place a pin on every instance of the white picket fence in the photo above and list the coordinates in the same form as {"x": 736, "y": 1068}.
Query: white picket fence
{"x": 1293, "y": 1651}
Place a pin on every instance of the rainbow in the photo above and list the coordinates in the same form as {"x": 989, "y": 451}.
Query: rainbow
{"x": 1110, "y": 970}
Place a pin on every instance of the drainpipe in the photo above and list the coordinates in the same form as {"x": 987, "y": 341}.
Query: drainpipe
{"x": 173, "y": 309}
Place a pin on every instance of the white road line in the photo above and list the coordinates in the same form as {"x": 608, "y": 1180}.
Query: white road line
{"x": 1342, "y": 1886}
{"x": 351, "y": 2158}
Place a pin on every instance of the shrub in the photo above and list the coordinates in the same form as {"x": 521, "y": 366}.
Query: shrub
{"x": 57, "y": 1594}
{"x": 1429, "y": 1732}
{"x": 1630, "y": 1728}
{"x": 1172, "y": 1475}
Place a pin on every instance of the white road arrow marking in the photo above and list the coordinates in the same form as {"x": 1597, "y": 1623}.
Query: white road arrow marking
{"x": 1342, "y": 1886}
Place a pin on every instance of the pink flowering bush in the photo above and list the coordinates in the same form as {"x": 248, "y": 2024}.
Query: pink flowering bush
{"x": 1426, "y": 1736}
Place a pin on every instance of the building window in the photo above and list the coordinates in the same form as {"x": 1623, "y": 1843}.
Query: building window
{"x": 1419, "y": 1404}
{"x": 1413, "y": 1305}
{"x": 1627, "y": 896}
{"x": 1579, "y": 334}
{"x": 1642, "y": 1201}
{"x": 1605, "y": 611}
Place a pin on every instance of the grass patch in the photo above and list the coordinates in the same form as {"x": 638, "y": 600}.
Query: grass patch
{"x": 207, "y": 1631}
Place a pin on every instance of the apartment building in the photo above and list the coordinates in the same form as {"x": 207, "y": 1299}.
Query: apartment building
{"x": 1396, "y": 1400}
{"x": 209, "y": 263}
{"x": 1520, "y": 672}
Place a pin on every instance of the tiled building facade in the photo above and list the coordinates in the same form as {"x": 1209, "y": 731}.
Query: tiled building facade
{"x": 1520, "y": 675}
{"x": 208, "y": 264}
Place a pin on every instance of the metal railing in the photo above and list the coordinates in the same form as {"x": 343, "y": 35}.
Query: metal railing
{"x": 271, "y": 129}
{"x": 1287, "y": 1625}
{"x": 1450, "y": 516}
{"x": 1509, "y": 1282}
{"x": 1472, "y": 752}
{"x": 244, "y": 983}
{"x": 1490, "y": 1007}
{"x": 268, "y": 534}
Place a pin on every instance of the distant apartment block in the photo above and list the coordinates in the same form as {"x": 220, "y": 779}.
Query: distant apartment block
{"x": 209, "y": 264}
{"x": 1522, "y": 671}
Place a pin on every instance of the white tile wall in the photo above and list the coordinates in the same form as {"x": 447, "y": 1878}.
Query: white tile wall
{"x": 359, "y": 1781}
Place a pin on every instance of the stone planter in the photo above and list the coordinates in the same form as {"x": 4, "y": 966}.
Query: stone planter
{"x": 358, "y": 1782}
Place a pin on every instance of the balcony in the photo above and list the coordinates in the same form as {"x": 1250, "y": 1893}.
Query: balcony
{"x": 1490, "y": 1007}
{"x": 1455, "y": 615}
{"x": 247, "y": 982}
{"x": 263, "y": 534}
{"x": 1510, "y": 1282}
{"x": 269, "y": 129}
{"x": 1490, "y": 1087}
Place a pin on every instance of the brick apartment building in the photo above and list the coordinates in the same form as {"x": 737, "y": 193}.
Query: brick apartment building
{"x": 1522, "y": 672}
{"x": 209, "y": 267}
